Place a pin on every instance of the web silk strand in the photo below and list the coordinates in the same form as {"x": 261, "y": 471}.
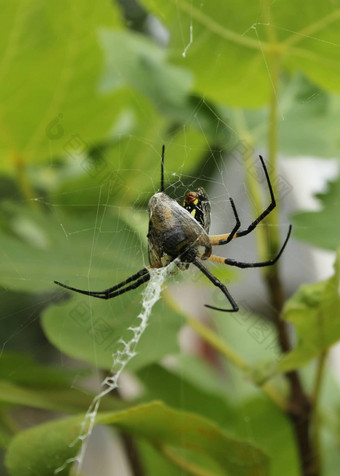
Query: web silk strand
{"x": 120, "y": 359}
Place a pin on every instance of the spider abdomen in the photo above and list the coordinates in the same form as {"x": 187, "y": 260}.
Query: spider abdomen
{"x": 173, "y": 232}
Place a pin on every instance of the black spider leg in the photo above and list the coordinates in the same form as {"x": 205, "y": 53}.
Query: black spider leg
{"x": 135, "y": 285}
{"x": 260, "y": 264}
{"x": 162, "y": 168}
{"x": 216, "y": 282}
{"x": 141, "y": 277}
{"x": 266, "y": 212}
{"x": 237, "y": 225}
{"x": 270, "y": 207}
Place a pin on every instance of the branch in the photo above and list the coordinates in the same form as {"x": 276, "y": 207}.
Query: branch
{"x": 299, "y": 404}
{"x": 316, "y": 409}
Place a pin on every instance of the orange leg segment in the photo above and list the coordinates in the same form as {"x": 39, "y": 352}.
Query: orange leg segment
{"x": 217, "y": 259}
{"x": 216, "y": 239}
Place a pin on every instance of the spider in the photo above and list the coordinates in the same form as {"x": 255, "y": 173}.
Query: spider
{"x": 177, "y": 231}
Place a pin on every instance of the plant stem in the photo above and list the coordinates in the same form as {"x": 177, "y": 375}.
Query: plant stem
{"x": 299, "y": 408}
{"x": 213, "y": 339}
{"x": 132, "y": 454}
{"x": 315, "y": 410}
{"x": 251, "y": 182}
{"x": 216, "y": 28}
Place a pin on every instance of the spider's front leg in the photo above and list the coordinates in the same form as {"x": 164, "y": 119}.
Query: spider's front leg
{"x": 223, "y": 239}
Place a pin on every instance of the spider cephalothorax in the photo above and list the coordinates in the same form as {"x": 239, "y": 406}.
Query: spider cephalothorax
{"x": 181, "y": 232}
{"x": 198, "y": 205}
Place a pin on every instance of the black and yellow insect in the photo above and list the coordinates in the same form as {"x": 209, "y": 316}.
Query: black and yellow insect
{"x": 181, "y": 232}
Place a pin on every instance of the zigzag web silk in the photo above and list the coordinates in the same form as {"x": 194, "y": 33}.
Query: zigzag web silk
{"x": 120, "y": 359}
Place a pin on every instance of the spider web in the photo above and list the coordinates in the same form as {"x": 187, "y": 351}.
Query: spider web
{"x": 222, "y": 185}
{"x": 175, "y": 182}
{"x": 120, "y": 359}
{"x": 126, "y": 348}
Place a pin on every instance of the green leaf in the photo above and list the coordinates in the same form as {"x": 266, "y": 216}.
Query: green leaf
{"x": 88, "y": 328}
{"x": 304, "y": 108}
{"x": 130, "y": 167}
{"x": 330, "y": 439}
{"x": 73, "y": 250}
{"x": 230, "y": 52}
{"x": 182, "y": 394}
{"x": 321, "y": 228}
{"x": 329, "y": 414}
{"x": 315, "y": 312}
{"x": 22, "y": 368}
{"x": 271, "y": 430}
{"x": 42, "y": 449}
{"x": 308, "y": 112}
{"x": 19, "y": 328}
{"x": 154, "y": 462}
{"x": 51, "y": 54}
{"x": 136, "y": 60}
{"x": 92, "y": 330}
{"x": 40, "y": 247}
{"x": 4, "y": 437}
{"x": 253, "y": 337}
{"x": 265, "y": 426}
{"x": 227, "y": 66}
{"x": 66, "y": 400}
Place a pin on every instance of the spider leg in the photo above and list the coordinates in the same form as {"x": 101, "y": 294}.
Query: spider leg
{"x": 162, "y": 168}
{"x": 227, "y": 237}
{"x": 141, "y": 277}
{"x": 237, "y": 224}
{"x": 223, "y": 239}
{"x": 216, "y": 282}
{"x": 266, "y": 212}
{"x": 134, "y": 285}
{"x": 260, "y": 264}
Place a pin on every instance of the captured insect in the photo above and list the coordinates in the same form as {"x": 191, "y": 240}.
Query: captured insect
{"x": 182, "y": 232}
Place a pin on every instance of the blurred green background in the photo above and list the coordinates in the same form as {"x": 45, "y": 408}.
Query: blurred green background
{"x": 89, "y": 93}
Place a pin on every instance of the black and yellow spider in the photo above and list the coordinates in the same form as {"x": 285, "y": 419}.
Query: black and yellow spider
{"x": 177, "y": 231}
